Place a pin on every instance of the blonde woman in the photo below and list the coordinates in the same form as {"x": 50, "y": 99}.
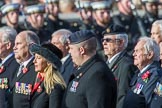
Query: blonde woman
{"x": 49, "y": 85}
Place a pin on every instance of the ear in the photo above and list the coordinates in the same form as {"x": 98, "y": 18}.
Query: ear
{"x": 9, "y": 45}
{"x": 82, "y": 50}
{"x": 150, "y": 55}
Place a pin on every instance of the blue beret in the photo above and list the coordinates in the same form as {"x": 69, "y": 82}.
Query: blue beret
{"x": 9, "y": 7}
{"x": 114, "y": 29}
{"x": 81, "y": 36}
{"x": 47, "y": 54}
{"x": 39, "y": 8}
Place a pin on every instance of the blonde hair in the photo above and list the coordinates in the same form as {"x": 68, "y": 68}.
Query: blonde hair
{"x": 52, "y": 78}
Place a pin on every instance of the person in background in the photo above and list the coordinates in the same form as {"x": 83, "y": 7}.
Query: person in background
{"x": 8, "y": 65}
{"x": 52, "y": 20}
{"x": 24, "y": 78}
{"x": 101, "y": 14}
{"x": 146, "y": 56}
{"x": 59, "y": 39}
{"x": 85, "y": 11}
{"x": 35, "y": 21}
{"x": 151, "y": 13}
{"x": 156, "y": 31}
{"x": 92, "y": 85}
{"x": 49, "y": 85}
{"x": 115, "y": 42}
{"x": 11, "y": 14}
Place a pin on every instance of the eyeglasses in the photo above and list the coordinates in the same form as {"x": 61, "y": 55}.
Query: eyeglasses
{"x": 110, "y": 40}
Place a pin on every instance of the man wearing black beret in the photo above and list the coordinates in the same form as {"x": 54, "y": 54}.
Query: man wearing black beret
{"x": 92, "y": 85}
{"x": 115, "y": 42}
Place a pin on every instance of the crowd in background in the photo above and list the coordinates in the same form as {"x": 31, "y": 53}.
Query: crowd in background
{"x": 80, "y": 54}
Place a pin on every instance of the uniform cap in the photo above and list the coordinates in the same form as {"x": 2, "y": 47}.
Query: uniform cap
{"x": 39, "y": 8}
{"x": 114, "y": 29}
{"x": 48, "y": 54}
{"x": 101, "y": 4}
{"x": 150, "y": 1}
{"x": 51, "y": 1}
{"x": 81, "y": 36}
{"x": 83, "y": 4}
{"x": 9, "y": 7}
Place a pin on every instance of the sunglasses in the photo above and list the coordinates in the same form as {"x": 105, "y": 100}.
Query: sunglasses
{"x": 110, "y": 40}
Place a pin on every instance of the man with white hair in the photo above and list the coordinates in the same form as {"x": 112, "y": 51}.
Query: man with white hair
{"x": 156, "y": 31}
{"x": 115, "y": 42}
{"x": 59, "y": 38}
{"x": 8, "y": 64}
{"x": 146, "y": 54}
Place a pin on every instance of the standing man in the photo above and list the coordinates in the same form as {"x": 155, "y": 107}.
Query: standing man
{"x": 59, "y": 39}
{"x": 92, "y": 85}
{"x": 8, "y": 65}
{"x": 151, "y": 13}
{"x": 24, "y": 78}
{"x": 52, "y": 16}
{"x": 115, "y": 42}
{"x": 11, "y": 13}
{"x": 156, "y": 31}
{"x": 101, "y": 14}
{"x": 35, "y": 21}
{"x": 146, "y": 54}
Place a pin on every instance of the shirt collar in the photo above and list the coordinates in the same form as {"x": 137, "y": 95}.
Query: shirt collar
{"x": 26, "y": 62}
{"x": 111, "y": 59}
{"x": 3, "y": 61}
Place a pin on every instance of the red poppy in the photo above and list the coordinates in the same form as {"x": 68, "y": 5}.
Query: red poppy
{"x": 2, "y": 68}
{"x": 25, "y": 70}
{"x": 146, "y": 75}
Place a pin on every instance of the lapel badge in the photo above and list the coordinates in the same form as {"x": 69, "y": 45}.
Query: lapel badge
{"x": 74, "y": 86}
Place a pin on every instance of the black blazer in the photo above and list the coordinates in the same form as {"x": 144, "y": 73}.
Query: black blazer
{"x": 41, "y": 99}
{"x": 123, "y": 69}
{"x": 10, "y": 67}
{"x": 21, "y": 88}
{"x": 142, "y": 87}
{"x": 67, "y": 69}
{"x": 91, "y": 86}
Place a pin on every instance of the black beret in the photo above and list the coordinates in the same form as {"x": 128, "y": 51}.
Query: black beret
{"x": 49, "y": 55}
{"x": 81, "y": 36}
{"x": 114, "y": 29}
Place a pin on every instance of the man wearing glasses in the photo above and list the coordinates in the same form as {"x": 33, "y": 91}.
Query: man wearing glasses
{"x": 115, "y": 42}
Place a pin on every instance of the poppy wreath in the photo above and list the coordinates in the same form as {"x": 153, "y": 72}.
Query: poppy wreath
{"x": 146, "y": 76}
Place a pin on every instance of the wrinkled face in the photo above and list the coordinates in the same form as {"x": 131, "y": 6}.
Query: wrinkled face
{"x": 12, "y": 17}
{"x": 140, "y": 57}
{"x": 156, "y": 34}
{"x": 3, "y": 47}
{"x": 55, "y": 41}
{"x": 40, "y": 63}
{"x": 52, "y": 8}
{"x": 102, "y": 16}
{"x": 37, "y": 20}
{"x": 21, "y": 48}
{"x": 152, "y": 8}
{"x": 111, "y": 45}
{"x": 75, "y": 54}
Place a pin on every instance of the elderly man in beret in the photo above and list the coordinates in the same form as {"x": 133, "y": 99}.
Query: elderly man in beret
{"x": 115, "y": 42}
{"x": 92, "y": 85}
{"x": 11, "y": 13}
